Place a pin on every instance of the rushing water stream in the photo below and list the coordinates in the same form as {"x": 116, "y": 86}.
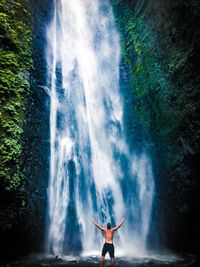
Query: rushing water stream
{"x": 93, "y": 172}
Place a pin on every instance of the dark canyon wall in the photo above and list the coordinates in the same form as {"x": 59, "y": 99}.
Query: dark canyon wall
{"x": 15, "y": 64}
{"x": 160, "y": 46}
{"x": 24, "y": 127}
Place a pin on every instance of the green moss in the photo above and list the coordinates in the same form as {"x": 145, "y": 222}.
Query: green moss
{"x": 157, "y": 53}
{"x": 16, "y": 61}
{"x": 148, "y": 79}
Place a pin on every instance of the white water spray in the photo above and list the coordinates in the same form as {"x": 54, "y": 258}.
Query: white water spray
{"x": 93, "y": 173}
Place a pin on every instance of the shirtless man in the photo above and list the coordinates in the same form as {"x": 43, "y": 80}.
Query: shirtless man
{"x": 108, "y": 246}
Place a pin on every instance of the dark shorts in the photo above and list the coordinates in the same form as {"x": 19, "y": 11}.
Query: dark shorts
{"x": 108, "y": 248}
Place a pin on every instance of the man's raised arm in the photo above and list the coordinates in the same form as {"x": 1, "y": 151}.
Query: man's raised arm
{"x": 98, "y": 226}
{"x": 119, "y": 225}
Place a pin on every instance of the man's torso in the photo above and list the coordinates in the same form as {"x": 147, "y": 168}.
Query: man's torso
{"x": 108, "y": 236}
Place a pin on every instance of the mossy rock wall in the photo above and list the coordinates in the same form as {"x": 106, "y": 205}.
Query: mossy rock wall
{"x": 15, "y": 64}
{"x": 24, "y": 127}
{"x": 160, "y": 44}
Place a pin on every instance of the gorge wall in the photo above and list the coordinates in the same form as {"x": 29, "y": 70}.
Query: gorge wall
{"x": 161, "y": 58}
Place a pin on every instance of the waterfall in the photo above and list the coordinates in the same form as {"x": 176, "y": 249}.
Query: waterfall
{"x": 93, "y": 173}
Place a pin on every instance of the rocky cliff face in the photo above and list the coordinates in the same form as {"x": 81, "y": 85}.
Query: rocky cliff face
{"x": 23, "y": 200}
{"x": 160, "y": 46}
{"x": 16, "y": 64}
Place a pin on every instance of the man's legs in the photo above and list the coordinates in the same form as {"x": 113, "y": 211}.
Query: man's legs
{"x": 102, "y": 261}
{"x": 113, "y": 261}
{"x": 104, "y": 251}
{"x": 112, "y": 254}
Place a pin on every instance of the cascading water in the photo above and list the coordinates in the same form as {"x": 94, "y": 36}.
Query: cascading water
{"x": 93, "y": 173}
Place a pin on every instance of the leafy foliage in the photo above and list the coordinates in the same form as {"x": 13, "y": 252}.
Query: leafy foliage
{"x": 158, "y": 50}
{"x": 16, "y": 61}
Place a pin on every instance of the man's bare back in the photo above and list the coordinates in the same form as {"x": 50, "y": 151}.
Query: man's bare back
{"x": 109, "y": 235}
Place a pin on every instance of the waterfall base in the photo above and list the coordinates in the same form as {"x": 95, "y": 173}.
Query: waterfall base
{"x": 40, "y": 260}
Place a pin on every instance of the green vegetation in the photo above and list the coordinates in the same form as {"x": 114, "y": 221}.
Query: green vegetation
{"x": 157, "y": 53}
{"x": 15, "y": 63}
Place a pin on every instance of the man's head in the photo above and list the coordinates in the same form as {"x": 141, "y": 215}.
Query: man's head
{"x": 108, "y": 226}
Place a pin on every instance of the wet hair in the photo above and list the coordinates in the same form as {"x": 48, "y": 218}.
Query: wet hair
{"x": 108, "y": 226}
